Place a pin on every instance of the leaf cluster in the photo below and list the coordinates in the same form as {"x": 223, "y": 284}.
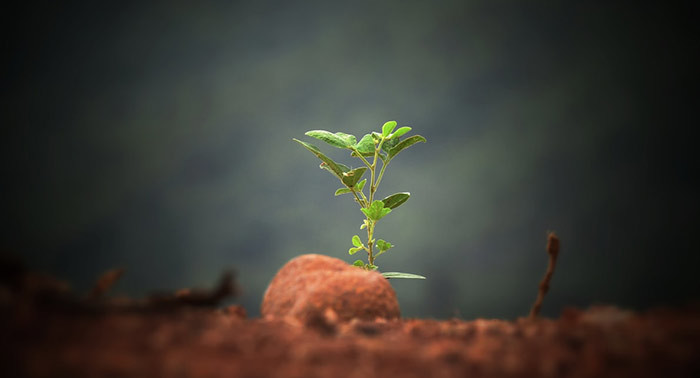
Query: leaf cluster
{"x": 371, "y": 149}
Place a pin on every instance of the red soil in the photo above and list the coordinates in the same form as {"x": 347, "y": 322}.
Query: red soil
{"x": 45, "y": 331}
{"x": 219, "y": 343}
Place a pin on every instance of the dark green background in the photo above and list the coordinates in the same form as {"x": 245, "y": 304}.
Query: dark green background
{"x": 158, "y": 137}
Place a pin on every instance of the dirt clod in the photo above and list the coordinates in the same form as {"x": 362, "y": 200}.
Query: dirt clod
{"x": 308, "y": 285}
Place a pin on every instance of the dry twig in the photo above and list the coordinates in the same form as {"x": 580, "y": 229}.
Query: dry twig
{"x": 105, "y": 282}
{"x": 197, "y": 298}
{"x": 553, "y": 252}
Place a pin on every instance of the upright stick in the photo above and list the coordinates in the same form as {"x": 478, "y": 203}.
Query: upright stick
{"x": 553, "y": 252}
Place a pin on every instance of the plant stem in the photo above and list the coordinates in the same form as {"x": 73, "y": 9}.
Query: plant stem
{"x": 358, "y": 198}
{"x": 381, "y": 172}
{"x": 373, "y": 168}
{"x": 370, "y": 244}
{"x": 362, "y": 158}
{"x": 370, "y": 226}
{"x": 372, "y": 188}
{"x": 364, "y": 198}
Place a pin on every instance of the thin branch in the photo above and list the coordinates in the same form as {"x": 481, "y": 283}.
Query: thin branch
{"x": 553, "y": 252}
{"x": 105, "y": 282}
{"x": 359, "y": 155}
{"x": 362, "y": 204}
{"x": 381, "y": 172}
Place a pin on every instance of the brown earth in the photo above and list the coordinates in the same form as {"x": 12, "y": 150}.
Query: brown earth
{"x": 46, "y": 332}
{"x": 190, "y": 342}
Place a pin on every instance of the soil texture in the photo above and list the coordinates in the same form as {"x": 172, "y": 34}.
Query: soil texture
{"x": 49, "y": 332}
{"x": 195, "y": 342}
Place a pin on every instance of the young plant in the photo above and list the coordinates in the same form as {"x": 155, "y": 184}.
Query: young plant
{"x": 377, "y": 146}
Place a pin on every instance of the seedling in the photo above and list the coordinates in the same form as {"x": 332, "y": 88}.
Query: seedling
{"x": 384, "y": 147}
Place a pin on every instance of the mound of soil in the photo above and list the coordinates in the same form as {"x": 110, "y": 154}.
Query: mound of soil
{"x": 312, "y": 286}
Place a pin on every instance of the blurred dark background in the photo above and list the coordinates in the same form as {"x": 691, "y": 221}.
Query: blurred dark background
{"x": 157, "y": 136}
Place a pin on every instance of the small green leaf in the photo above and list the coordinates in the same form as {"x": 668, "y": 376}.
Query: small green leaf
{"x": 366, "y": 145}
{"x": 389, "y": 144}
{"x": 401, "y": 131}
{"x": 356, "y": 241}
{"x": 384, "y": 212}
{"x": 359, "y": 263}
{"x": 352, "y": 251}
{"x": 340, "y": 141}
{"x": 395, "y": 200}
{"x": 384, "y": 245}
{"x": 360, "y": 185}
{"x": 364, "y": 224}
{"x": 342, "y": 191}
{"x": 378, "y": 205}
{"x": 387, "y": 128}
{"x": 367, "y": 212}
{"x": 376, "y": 211}
{"x": 371, "y": 267}
{"x": 405, "y": 144}
{"x": 390, "y": 275}
{"x": 380, "y": 244}
{"x": 328, "y": 163}
{"x": 351, "y": 177}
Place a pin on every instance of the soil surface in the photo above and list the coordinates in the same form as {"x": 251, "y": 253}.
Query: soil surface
{"x": 190, "y": 342}
{"x": 46, "y": 331}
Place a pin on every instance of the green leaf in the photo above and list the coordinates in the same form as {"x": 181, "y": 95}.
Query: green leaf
{"x": 356, "y": 241}
{"x": 395, "y": 200}
{"x": 340, "y": 140}
{"x": 387, "y": 128}
{"x": 367, "y": 212}
{"x": 376, "y": 211}
{"x": 405, "y": 144}
{"x": 351, "y": 178}
{"x": 354, "y": 250}
{"x": 359, "y": 263}
{"x": 328, "y": 163}
{"x": 401, "y": 131}
{"x": 360, "y": 185}
{"x": 383, "y": 245}
{"x": 342, "y": 191}
{"x": 349, "y": 139}
{"x": 344, "y": 168}
{"x": 389, "y": 144}
{"x": 366, "y": 145}
{"x": 371, "y": 267}
{"x": 390, "y": 275}
{"x": 384, "y": 212}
